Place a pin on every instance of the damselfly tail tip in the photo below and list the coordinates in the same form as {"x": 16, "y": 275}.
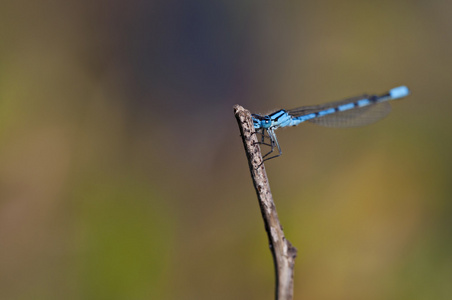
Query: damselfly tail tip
{"x": 399, "y": 92}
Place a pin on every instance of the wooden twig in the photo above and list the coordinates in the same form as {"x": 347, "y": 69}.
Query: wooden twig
{"x": 282, "y": 250}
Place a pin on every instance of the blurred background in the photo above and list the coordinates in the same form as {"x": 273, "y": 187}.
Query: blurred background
{"x": 123, "y": 176}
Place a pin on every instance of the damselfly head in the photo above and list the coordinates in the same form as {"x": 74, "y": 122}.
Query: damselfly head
{"x": 261, "y": 121}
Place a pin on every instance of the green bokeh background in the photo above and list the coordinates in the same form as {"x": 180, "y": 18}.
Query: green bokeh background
{"x": 122, "y": 174}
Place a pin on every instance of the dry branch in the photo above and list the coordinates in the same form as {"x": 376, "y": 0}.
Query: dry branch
{"x": 282, "y": 250}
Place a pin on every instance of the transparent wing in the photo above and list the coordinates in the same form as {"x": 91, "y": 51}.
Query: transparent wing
{"x": 306, "y": 110}
{"x": 355, "y": 117}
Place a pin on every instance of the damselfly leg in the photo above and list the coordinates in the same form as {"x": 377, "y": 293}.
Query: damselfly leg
{"x": 273, "y": 143}
{"x": 262, "y": 137}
